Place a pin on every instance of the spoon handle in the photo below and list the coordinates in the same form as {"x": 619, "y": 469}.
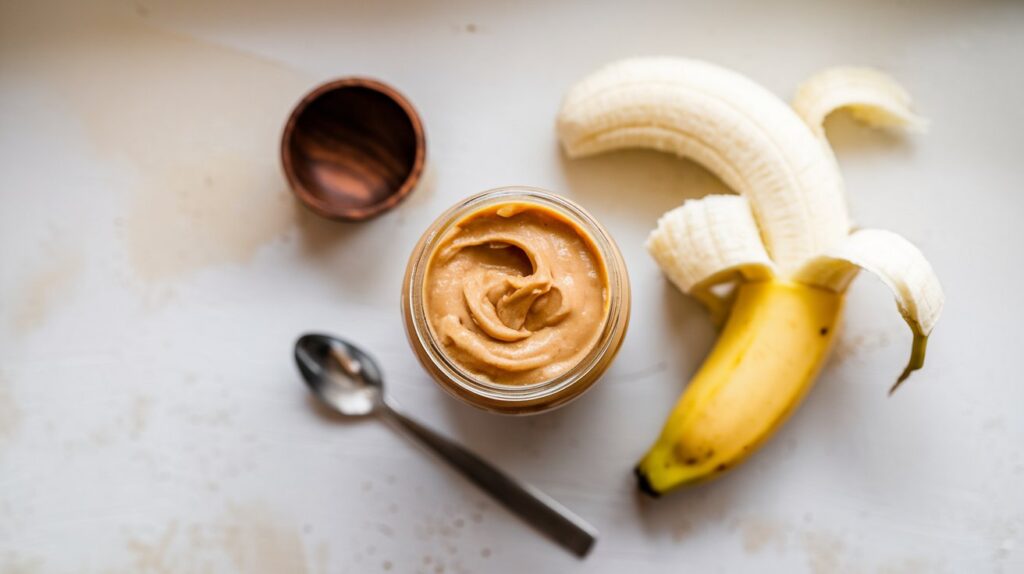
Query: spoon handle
{"x": 532, "y": 505}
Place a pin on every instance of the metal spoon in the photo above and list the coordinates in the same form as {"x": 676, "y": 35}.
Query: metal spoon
{"x": 348, "y": 381}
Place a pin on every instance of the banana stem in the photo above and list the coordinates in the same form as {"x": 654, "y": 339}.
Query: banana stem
{"x": 916, "y": 359}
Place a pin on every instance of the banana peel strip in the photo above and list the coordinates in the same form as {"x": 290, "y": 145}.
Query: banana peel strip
{"x": 871, "y": 96}
{"x": 900, "y": 265}
{"x": 707, "y": 242}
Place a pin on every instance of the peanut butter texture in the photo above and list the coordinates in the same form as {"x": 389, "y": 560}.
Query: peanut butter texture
{"x": 516, "y": 294}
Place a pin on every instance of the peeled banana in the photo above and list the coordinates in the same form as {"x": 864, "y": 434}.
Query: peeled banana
{"x": 772, "y": 263}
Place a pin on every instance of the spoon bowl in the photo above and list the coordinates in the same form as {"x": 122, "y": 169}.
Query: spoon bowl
{"x": 341, "y": 375}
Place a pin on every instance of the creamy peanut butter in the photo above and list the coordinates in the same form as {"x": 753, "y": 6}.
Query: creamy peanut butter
{"x": 516, "y": 293}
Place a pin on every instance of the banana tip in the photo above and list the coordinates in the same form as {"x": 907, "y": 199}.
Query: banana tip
{"x": 644, "y": 484}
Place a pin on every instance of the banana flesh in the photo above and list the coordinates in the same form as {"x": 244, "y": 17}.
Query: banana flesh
{"x": 738, "y": 130}
{"x": 784, "y": 243}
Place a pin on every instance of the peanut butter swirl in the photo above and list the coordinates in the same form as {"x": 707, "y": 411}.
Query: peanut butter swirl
{"x": 517, "y": 294}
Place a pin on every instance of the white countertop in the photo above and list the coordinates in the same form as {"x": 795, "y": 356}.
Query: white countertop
{"x": 154, "y": 273}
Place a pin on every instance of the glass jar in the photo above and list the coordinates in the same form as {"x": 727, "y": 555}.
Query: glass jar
{"x": 516, "y": 399}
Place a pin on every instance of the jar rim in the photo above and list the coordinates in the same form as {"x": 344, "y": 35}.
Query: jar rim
{"x": 510, "y": 395}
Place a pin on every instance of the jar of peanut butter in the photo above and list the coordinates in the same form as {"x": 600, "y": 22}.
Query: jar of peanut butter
{"x": 516, "y": 300}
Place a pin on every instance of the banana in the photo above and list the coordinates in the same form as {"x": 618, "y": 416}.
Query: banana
{"x": 774, "y": 343}
{"x": 782, "y": 250}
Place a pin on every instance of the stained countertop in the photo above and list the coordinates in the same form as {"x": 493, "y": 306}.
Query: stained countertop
{"x": 155, "y": 272}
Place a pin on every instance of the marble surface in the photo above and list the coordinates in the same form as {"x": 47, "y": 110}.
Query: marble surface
{"x": 154, "y": 272}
